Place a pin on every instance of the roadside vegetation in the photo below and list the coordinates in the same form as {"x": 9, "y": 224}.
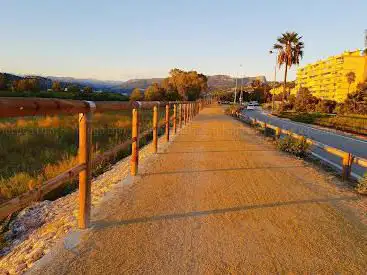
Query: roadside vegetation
{"x": 350, "y": 116}
{"x": 362, "y": 186}
{"x": 297, "y": 147}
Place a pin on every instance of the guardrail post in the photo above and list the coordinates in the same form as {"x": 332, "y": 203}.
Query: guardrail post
{"x": 167, "y": 122}
{"x": 155, "y": 129}
{"x": 175, "y": 118}
{"x": 347, "y": 165}
{"x": 278, "y": 131}
{"x": 85, "y": 157}
{"x": 135, "y": 142}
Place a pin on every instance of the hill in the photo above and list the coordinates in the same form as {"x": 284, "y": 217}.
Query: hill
{"x": 214, "y": 82}
{"x": 226, "y": 81}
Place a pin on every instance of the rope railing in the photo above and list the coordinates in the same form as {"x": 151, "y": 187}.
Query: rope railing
{"x": 183, "y": 113}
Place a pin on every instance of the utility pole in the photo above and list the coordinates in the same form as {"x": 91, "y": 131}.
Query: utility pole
{"x": 235, "y": 93}
{"x": 241, "y": 95}
{"x": 275, "y": 79}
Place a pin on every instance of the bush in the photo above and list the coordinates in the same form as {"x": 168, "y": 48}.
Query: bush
{"x": 305, "y": 101}
{"x": 297, "y": 147}
{"x": 285, "y": 106}
{"x": 233, "y": 109}
{"x": 362, "y": 186}
{"x": 325, "y": 106}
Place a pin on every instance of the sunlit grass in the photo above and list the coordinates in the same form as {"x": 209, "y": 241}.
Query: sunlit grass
{"x": 36, "y": 149}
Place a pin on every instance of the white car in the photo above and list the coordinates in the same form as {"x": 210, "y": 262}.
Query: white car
{"x": 253, "y": 105}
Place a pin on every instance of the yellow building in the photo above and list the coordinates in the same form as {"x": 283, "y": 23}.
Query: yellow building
{"x": 327, "y": 79}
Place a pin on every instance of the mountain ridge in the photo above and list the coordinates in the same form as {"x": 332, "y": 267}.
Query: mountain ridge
{"x": 219, "y": 81}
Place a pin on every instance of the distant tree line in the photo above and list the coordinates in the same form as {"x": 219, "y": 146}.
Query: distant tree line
{"x": 180, "y": 85}
{"x": 36, "y": 84}
{"x": 14, "y": 86}
{"x": 255, "y": 91}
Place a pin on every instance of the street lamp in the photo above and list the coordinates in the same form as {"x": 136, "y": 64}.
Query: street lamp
{"x": 241, "y": 95}
{"x": 275, "y": 77}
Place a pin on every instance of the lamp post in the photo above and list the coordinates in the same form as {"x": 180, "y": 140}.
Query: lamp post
{"x": 241, "y": 95}
{"x": 275, "y": 77}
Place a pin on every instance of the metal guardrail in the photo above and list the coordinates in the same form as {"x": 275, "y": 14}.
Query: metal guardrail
{"x": 347, "y": 158}
{"x": 183, "y": 112}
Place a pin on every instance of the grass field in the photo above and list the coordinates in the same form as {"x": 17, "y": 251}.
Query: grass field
{"x": 35, "y": 149}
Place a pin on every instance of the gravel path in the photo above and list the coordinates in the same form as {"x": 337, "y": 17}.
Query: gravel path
{"x": 219, "y": 200}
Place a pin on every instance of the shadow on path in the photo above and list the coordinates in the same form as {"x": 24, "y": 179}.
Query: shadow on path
{"x": 219, "y": 170}
{"x": 216, "y": 151}
{"x": 103, "y": 224}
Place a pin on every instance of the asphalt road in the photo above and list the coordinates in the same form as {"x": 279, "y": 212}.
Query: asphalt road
{"x": 357, "y": 147}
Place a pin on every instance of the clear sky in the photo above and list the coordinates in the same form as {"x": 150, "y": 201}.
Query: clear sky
{"x": 118, "y": 40}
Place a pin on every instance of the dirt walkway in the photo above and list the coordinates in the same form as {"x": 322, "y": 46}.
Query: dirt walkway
{"x": 219, "y": 200}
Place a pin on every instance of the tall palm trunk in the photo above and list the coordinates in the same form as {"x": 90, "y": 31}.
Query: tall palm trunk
{"x": 285, "y": 80}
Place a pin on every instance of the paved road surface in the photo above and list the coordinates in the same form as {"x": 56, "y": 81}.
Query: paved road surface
{"x": 217, "y": 201}
{"x": 356, "y": 146}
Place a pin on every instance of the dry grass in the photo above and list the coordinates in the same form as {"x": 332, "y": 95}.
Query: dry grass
{"x": 36, "y": 149}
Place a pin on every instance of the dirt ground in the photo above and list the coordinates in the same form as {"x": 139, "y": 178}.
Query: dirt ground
{"x": 220, "y": 200}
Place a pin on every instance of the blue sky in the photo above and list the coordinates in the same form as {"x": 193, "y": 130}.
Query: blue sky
{"x": 119, "y": 40}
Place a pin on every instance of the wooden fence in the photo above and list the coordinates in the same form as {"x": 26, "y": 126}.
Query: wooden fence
{"x": 183, "y": 112}
{"x": 347, "y": 158}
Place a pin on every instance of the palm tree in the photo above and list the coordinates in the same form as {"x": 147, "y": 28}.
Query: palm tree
{"x": 290, "y": 51}
{"x": 351, "y": 77}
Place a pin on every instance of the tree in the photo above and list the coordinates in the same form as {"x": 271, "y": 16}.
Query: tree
{"x": 154, "y": 93}
{"x": 56, "y": 86}
{"x": 189, "y": 85}
{"x": 305, "y": 101}
{"x": 256, "y": 83}
{"x": 290, "y": 51}
{"x": 26, "y": 84}
{"x": 73, "y": 88}
{"x": 356, "y": 102}
{"x": 3, "y": 82}
{"x": 88, "y": 90}
{"x": 136, "y": 95}
{"x": 351, "y": 78}
{"x": 326, "y": 106}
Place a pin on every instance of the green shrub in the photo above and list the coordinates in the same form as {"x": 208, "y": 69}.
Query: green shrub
{"x": 231, "y": 110}
{"x": 362, "y": 186}
{"x": 297, "y": 147}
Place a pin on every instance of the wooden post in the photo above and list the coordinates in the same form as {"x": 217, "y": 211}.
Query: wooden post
{"x": 278, "y": 131}
{"x": 167, "y": 122}
{"x": 155, "y": 129}
{"x": 175, "y": 118}
{"x": 190, "y": 112}
{"x": 185, "y": 115}
{"x": 135, "y": 142}
{"x": 347, "y": 166}
{"x": 180, "y": 115}
{"x": 84, "y": 155}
